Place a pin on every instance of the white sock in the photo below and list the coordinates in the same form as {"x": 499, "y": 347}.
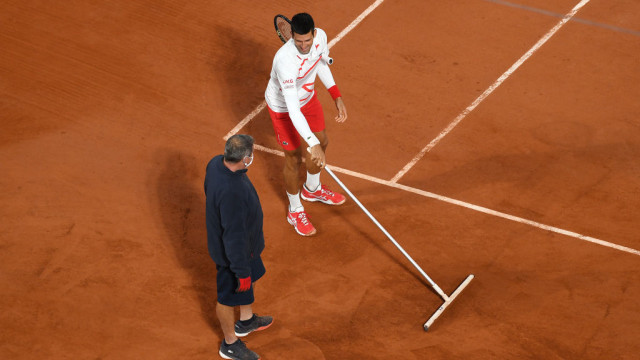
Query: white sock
{"x": 313, "y": 181}
{"x": 295, "y": 204}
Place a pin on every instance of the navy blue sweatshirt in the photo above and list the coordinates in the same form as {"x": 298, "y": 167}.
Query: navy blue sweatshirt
{"x": 233, "y": 216}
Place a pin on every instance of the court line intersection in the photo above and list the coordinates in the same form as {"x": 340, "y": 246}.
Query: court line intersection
{"x": 393, "y": 182}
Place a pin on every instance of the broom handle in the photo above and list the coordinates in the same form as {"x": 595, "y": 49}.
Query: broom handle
{"x": 433, "y": 284}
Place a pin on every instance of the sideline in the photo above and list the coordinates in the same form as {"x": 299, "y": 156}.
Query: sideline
{"x": 489, "y": 90}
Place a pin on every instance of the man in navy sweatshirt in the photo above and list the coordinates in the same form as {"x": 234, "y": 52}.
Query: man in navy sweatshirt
{"x": 235, "y": 241}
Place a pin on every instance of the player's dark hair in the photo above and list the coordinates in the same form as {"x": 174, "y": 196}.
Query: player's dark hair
{"x": 237, "y": 147}
{"x": 302, "y": 24}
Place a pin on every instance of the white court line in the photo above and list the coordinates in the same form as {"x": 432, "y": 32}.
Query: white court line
{"x": 245, "y": 121}
{"x": 334, "y": 41}
{"x": 481, "y": 209}
{"x": 551, "y": 13}
{"x": 355, "y": 22}
{"x": 393, "y": 183}
{"x": 487, "y": 92}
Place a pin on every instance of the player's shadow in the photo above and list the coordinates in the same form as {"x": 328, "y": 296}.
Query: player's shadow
{"x": 181, "y": 202}
{"x": 242, "y": 63}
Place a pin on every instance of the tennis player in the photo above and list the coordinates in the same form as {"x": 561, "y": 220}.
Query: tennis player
{"x": 297, "y": 113}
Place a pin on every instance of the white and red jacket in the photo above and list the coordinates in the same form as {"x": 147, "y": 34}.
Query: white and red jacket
{"x": 292, "y": 81}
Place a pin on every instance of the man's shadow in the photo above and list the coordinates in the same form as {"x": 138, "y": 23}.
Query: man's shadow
{"x": 180, "y": 199}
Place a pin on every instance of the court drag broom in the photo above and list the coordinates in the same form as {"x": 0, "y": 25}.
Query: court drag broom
{"x": 447, "y": 299}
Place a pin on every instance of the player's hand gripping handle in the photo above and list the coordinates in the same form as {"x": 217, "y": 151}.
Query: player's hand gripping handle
{"x": 317, "y": 155}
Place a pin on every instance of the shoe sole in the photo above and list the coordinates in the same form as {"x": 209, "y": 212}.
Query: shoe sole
{"x": 258, "y": 329}
{"x": 328, "y": 202}
{"x": 222, "y": 355}
{"x": 298, "y": 231}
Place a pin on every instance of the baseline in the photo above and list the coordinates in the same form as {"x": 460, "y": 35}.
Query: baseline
{"x": 558, "y": 15}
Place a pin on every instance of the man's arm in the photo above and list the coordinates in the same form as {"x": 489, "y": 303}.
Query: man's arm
{"x": 287, "y": 79}
{"x": 235, "y": 238}
{"x": 287, "y": 72}
{"x": 301, "y": 125}
{"x": 298, "y": 120}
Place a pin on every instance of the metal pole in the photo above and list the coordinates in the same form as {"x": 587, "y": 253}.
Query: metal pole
{"x": 433, "y": 284}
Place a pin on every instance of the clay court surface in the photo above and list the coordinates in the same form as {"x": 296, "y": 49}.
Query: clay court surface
{"x": 111, "y": 110}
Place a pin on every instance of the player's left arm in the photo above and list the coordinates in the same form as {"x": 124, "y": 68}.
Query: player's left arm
{"x": 342, "y": 110}
{"x": 327, "y": 79}
{"x": 325, "y": 75}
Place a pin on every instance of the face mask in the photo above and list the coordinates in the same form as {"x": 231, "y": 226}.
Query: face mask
{"x": 250, "y": 160}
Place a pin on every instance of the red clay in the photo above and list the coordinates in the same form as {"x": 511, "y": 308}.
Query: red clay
{"x": 110, "y": 111}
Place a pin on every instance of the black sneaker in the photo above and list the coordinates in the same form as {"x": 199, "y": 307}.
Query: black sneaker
{"x": 258, "y": 323}
{"x": 237, "y": 351}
